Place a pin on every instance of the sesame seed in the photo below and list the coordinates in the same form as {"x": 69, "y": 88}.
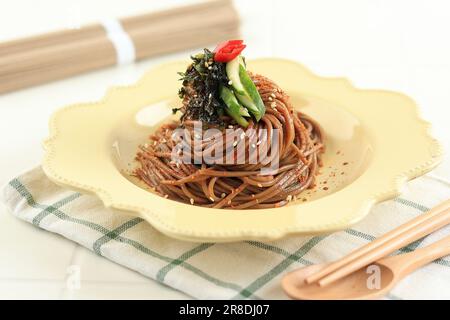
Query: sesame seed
{"x": 230, "y": 127}
{"x": 242, "y": 135}
{"x": 235, "y": 144}
{"x": 212, "y": 199}
{"x": 197, "y": 136}
{"x": 258, "y": 143}
{"x": 253, "y": 195}
{"x": 273, "y": 104}
{"x": 230, "y": 82}
{"x": 273, "y": 95}
{"x": 192, "y": 201}
{"x": 154, "y": 143}
{"x": 209, "y": 68}
{"x": 166, "y": 196}
{"x": 253, "y": 145}
{"x": 229, "y": 201}
{"x": 260, "y": 185}
{"x": 146, "y": 145}
{"x": 289, "y": 198}
{"x": 270, "y": 98}
{"x": 223, "y": 195}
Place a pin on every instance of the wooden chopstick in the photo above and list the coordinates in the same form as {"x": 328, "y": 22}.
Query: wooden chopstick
{"x": 415, "y": 229}
{"x": 44, "y": 58}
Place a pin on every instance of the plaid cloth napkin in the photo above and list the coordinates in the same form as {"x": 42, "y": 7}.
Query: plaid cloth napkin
{"x": 241, "y": 270}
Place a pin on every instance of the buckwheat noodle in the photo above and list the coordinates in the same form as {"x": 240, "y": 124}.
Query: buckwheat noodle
{"x": 239, "y": 186}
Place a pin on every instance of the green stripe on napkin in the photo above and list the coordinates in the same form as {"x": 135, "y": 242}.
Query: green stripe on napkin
{"x": 243, "y": 270}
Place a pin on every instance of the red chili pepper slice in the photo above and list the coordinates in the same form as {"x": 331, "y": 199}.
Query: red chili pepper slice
{"x": 228, "y": 50}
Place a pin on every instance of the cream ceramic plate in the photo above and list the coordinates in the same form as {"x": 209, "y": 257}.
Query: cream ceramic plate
{"x": 375, "y": 141}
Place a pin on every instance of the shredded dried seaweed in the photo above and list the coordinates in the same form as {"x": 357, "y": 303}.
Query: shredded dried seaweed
{"x": 200, "y": 90}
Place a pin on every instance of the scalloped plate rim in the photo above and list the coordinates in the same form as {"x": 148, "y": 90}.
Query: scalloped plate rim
{"x": 248, "y": 234}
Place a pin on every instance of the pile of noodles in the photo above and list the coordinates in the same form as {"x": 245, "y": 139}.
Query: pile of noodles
{"x": 239, "y": 185}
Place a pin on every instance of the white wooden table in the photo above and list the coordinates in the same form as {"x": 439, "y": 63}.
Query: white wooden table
{"x": 402, "y": 46}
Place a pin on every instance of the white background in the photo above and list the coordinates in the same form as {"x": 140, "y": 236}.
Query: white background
{"x": 397, "y": 45}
